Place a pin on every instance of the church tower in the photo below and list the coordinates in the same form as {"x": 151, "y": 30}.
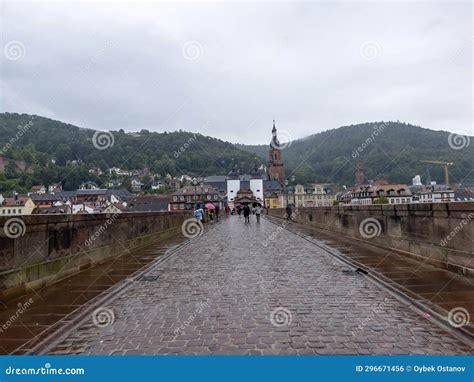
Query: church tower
{"x": 275, "y": 164}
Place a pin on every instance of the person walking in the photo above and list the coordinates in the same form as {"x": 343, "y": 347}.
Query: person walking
{"x": 258, "y": 211}
{"x": 199, "y": 214}
{"x": 288, "y": 213}
{"x": 247, "y": 213}
{"x": 211, "y": 215}
{"x": 239, "y": 211}
{"x": 217, "y": 213}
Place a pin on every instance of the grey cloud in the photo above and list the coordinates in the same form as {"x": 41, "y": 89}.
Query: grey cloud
{"x": 121, "y": 65}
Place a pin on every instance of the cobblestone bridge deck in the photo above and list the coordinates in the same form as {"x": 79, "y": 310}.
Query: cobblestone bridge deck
{"x": 256, "y": 289}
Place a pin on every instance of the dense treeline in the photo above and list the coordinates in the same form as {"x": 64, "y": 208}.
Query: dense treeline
{"x": 389, "y": 150}
{"x": 63, "y": 152}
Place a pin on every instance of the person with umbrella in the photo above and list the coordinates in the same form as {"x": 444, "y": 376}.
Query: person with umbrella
{"x": 210, "y": 207}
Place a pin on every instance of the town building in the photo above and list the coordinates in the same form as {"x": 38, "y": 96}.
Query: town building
{"x": 187, "y": 197}
{"x": 312, "y": 195}
{"x": 149, "y": 203}
{"x": 16, "y": 205}
{"x": 436, "y": 193}
{"x": 55, "y": 187}
{"x": 39, "y": 189}
{"x": 378, "y": 194}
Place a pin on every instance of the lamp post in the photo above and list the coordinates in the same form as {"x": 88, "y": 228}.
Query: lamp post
{"x": 194, "y": 184}
{"x": 294, "y": 190}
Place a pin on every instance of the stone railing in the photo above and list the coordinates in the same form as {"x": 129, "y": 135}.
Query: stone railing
{"x": 39, "y": 249}
{"x": 439, "y": 233}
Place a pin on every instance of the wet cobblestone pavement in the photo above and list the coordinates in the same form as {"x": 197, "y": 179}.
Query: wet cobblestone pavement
{"x": 256, "y": 289}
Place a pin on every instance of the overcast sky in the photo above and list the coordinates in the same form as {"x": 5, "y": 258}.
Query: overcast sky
{"x": 226, "y": 70}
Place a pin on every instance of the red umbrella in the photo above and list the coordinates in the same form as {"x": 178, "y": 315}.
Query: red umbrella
{"x": 210, "y": 206}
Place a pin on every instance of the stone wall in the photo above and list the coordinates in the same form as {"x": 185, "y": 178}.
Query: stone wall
{"x": 439, "y": 233}
{"x": 39, "y": 249}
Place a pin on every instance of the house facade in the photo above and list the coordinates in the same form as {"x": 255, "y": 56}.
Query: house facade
{"x": 16, "y": 205}
{"x": 187, "y": 197}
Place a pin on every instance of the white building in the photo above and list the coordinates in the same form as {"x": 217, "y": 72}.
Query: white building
{"x": 312, "y": 195}
{"x": 436, "y": 194}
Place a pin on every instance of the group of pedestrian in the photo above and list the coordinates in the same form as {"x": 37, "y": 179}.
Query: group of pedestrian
{"x": 212, "y": 214}
{"x": 209, "y": 214}
{"x": 257, "y": 211}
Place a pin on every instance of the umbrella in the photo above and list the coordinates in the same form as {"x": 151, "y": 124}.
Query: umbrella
{"x": 210, "y": 206}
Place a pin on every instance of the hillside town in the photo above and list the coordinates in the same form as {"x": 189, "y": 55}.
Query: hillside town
{"x": 264, "y": 185}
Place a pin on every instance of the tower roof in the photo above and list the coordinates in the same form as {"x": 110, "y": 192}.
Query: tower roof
{"x": 274, "y": 143}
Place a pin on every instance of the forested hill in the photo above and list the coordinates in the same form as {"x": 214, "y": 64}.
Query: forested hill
{"x": 38, "y": 140}
{"x": 390, "y": 150}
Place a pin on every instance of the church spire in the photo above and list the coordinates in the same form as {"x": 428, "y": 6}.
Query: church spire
{"x": 274, "y": 142}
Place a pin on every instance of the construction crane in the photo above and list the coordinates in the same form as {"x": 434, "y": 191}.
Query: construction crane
{"x": 445, "y": 165}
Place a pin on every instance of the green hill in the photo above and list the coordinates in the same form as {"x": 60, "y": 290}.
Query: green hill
{"x": 56, "y": 151}
{"x": 390, "y": 150}
{"x": 38, "y": 141}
